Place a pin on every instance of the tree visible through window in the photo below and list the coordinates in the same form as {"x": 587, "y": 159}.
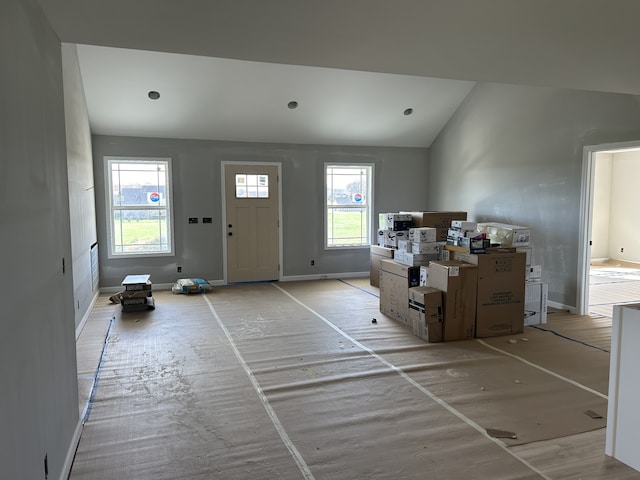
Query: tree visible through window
{"x": 348, "y": 205}
{"x": 139, "y": 203}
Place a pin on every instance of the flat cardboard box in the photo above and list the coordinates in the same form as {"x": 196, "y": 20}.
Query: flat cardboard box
{"x": 395, "y": 281}
{"x": 376, "y": 255}
{"x": 425, "y": 308}
{"x": 441, "y": 221}
{"x": 459, "y": 282}
{"x": 500, "y": 294}
{"x": 535, "y": 303}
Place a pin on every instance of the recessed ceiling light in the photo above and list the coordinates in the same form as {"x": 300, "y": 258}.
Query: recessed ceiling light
{"x": 153, "y": 95}
{"x": 408, "y": 111}
{"x": 292, "y": 104}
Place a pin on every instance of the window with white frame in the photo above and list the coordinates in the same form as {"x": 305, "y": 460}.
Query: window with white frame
{"x": 348, "y": 212}
{"x": 139, "y": 206}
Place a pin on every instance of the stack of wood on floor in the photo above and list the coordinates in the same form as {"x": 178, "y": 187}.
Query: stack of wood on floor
{"x": 137, "y": 294}
{"x": 450, "y": 279}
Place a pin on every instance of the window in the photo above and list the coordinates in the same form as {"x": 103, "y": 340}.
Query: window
{"x": 252, "y": 186}
{"x": 139, "y": 204}
{"x": 348, "y": 211}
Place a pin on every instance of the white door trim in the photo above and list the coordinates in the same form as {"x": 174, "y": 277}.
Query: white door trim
{"x": 586, "y": 216}
{"x": 223, "y": 165}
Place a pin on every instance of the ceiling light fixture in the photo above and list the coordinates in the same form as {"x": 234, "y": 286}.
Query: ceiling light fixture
{"x": 292, "y": 104}
{"x": 408, "y": 111}
{"x": 153, "y": 95}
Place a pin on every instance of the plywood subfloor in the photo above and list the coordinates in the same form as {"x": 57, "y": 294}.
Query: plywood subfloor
{"x": 293, "y": 380}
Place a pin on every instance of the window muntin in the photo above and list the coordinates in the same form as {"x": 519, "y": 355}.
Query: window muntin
{"x": 250, "y": 185}
{"x": 348, "y": 210}
{"x": 138, "y": 198}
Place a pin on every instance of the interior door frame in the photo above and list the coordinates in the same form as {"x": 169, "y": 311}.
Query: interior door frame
{"x": 223, "y": 166}
{"x": 586, "y": 216}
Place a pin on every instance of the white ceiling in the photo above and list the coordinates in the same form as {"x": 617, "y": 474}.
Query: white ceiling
{"x": 231, "y": 66}
{"x": 222, "y": 99}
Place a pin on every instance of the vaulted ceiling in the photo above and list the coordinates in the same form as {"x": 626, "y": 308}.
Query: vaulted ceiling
{"x": 228, "y": 69}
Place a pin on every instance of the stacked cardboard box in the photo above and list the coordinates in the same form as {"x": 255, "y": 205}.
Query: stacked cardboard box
{"x": 441, "y": 221}
{"x": 463, "y": 236}
{"x": 420, "y": 247}
{"x": 395, "y": 281}
{"x": 500, "y": 291}
{"x": 486, "y": 291}
{"x": 425, "y": 311}
{"x": 137, "y": 294}
{"x": 410, "y": 238}
{"x": 393, "y": 227}
{"x": 377, "y": 254}
{"x": 458, "y": 282}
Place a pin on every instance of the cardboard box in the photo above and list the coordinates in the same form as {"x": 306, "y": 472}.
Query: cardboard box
{"x": 394, "y": 221}
{"x": 500, "y": 294}
{"x": 535, "y": 303}
{"x": 424, "y": 275}
{"x": 376, "y": 255}
{"x": 441, "y": 221}
{"x": 464, "y": 225}
{"x": 390, "y": 238}
{"x": 533, "y": 273}
{"x": 458, "y": 282}
{"x": 423, "y": 234}
{"x": 415, "y": 259}
{"x": 425, "y": 308}
{"x": 506, "y": 235}
{"x": 426, "y": 247}
{"x": 528, "y": 251}
{"x": 405, "y": 245}
{"x": 395, "y": 281}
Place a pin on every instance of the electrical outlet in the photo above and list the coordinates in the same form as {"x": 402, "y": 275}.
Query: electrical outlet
{"x": 193, "y": 219}
{"x": 621, "y": 250}
{"x": 313, "y": 262}
{"x": 179, "y": 269}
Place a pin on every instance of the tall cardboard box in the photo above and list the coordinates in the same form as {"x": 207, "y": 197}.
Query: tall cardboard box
{"x": 395, "y": 281}
{"x": 425, "y": 310}
{"x": 501, "y": 289}
{"x": 441, "y": 221}
{"x": 458, "y": 283}
{"x": 376, "y": 255}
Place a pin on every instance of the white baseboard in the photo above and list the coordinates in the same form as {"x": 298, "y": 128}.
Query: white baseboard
{"x": 324, "y": 276}
{"x": 561, "y": 306}
{"x": 71, "y": 453}
{"x": 290, "y": 278}
{"x": 87, "y": 314}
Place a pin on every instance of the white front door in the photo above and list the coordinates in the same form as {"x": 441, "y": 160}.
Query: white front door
{"x": 252, "y": 222}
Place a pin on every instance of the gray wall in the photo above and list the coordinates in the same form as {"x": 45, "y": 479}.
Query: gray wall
{"x": 514, "y": 154}
{"x": 39, "y": 399}
{"x": 80, "y": 176}
{"x": 400, "y": 183}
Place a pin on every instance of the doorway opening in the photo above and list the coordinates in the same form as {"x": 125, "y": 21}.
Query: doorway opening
{"x": 609, "y": 256}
